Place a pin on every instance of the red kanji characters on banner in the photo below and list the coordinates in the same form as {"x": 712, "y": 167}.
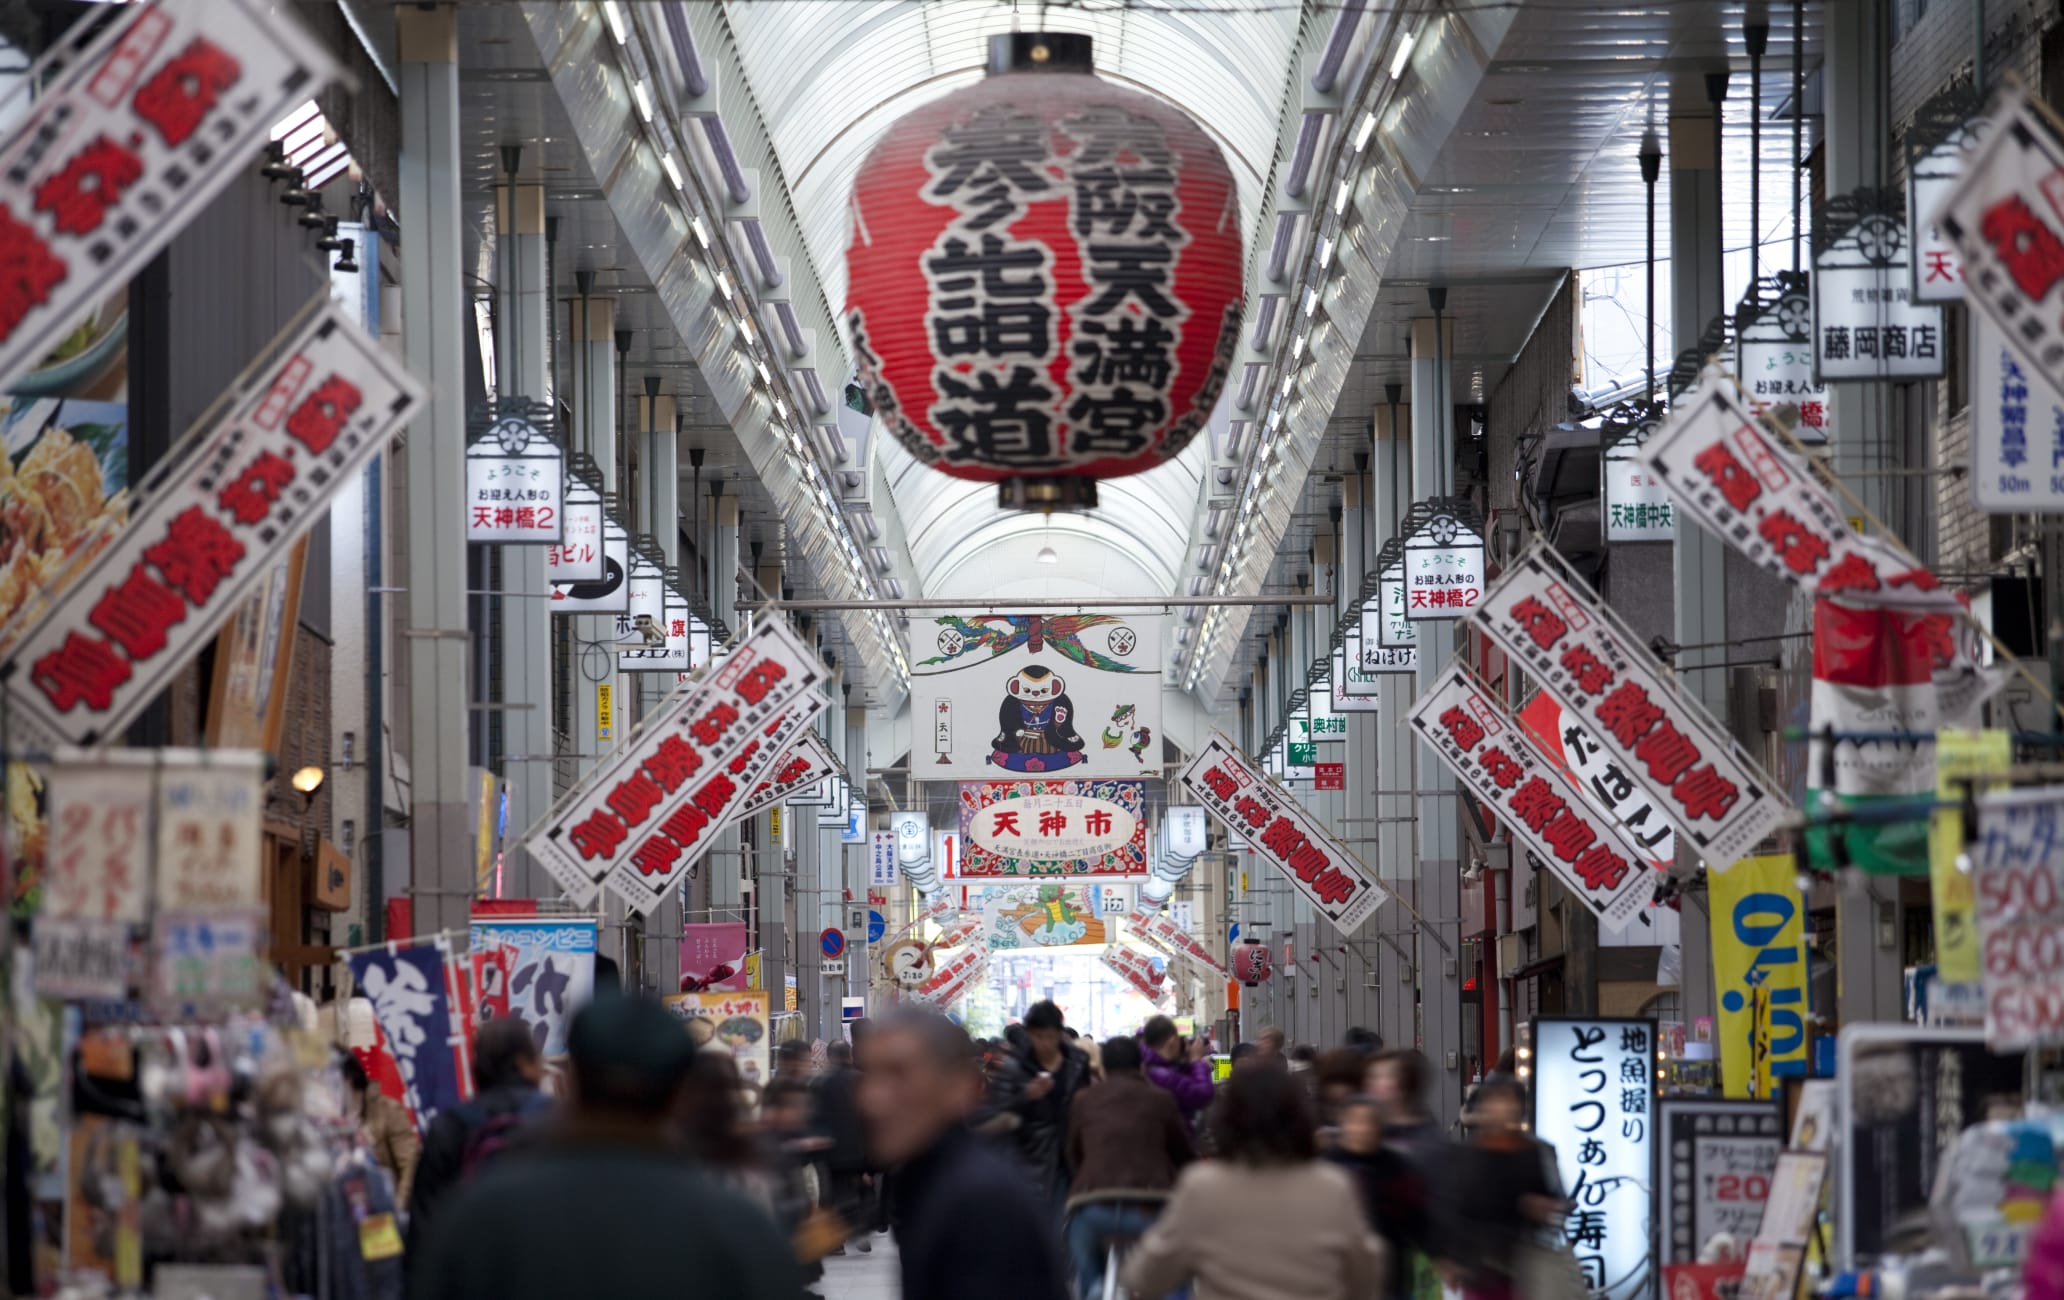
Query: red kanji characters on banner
{"x": 1703, "y": 792}
{"x": 1221, "y": 785}
{"x": 249, "y": 497}
{"x": 1281, "y": 838}
{"x": 78, "y": 195}
{"x": 1569, "y": 835}
{"x": 1333, "y": 886}
{"x": 714, "y": 794}
{"x": 1628, "y": 713}
{"x": 710, "y": 727}
{"x": 1537, "y": 804}
{"x": 197, "y": 553}
{"x": 655, "y": 857}
{"x": 1600, "y": 868}
{"x": 1464, "y": 730}
{"x": 1591, "y": 673}
{"x": 635, "y": 797}
{"x": 1252, "y": 811}
{"x": 1006, "y": 823}
{"x": 599, "y": 836}
{"x": 2026, "y": 246}
{"x": 1668, "y": 752}
{"x": 1728, "y": 474}
{"x": 1501, "y": 767}
{"x": 1851, "y": 573}
{"x": 1801, "y": 549}
{"x": 673, "y": 762}
{"x": 323, "y": 414}
{"x": 179, "y": 96}
{"x": 137, "y": 613}
{"x": 84, "y": 670}
{"x": 764, "y": 676}
{"x": 1543, "y": 626}
{"x": 28, "y": 271}
{"x": 1307, "y": 860}
{"x": 685, "y": 824}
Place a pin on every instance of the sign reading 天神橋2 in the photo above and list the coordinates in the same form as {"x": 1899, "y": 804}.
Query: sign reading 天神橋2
{"x": 515, "y": 476}
{"x": 1054, "y": 828}
{"x": 128, "y": 143}
{"x": 1075, "y": 695}
{"x": 1601, "y": 674}
{"x": 1594, "y": 1098}
{"x": 214, "y": 519}
{"x": 1589, "y": 852}
{"x": 670, "y": 780}
{"x": 1277, "y": 828}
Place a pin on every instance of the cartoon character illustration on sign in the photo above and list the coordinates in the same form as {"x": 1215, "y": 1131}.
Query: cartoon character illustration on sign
{"x": 1035, "y": 729}
{"x": 1120, "y": 728}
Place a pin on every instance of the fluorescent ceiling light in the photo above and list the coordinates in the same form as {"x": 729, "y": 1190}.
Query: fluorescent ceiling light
{"x": 724, "y": 286}
{"x": 1364, "y": 131}
{"x": 644, "y": 100}
{"x": 1325, "y": 251}
{"x": 1341, "y": 195}
{"x": 613, "y": 12}
{"x": 1402, "y": 57}
{"x": 1311, "y": 299}
{"x": 1297, "y": 348}
{"x": 673, "y": 173}
{"x": 745, "y": 328}
{"x": 780, "y": 409}
{"x": 694, "y": 223}
{"x": 765, "y": 377}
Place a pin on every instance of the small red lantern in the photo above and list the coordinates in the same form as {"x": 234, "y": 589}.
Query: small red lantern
{"x": 1044, "y": 276}
{"x": 1251, "y": 962}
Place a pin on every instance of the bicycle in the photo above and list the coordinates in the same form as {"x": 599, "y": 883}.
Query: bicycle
{"x": 1117, "y": 1242}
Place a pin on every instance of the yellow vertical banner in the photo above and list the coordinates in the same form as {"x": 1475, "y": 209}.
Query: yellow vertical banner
{"x": 605, "y": 711}
{"x": 1759, "y": 972}
{"x": 1959, "y": 756}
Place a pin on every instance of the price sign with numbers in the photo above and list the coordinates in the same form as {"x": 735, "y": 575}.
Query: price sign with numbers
{"x": 2017, "y": 875}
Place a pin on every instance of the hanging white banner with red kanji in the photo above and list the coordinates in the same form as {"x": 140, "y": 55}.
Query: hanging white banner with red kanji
{"x": 214, "y": 520}
{"x": 1278, "y": 829}
{"x": 129, "y": 143}
{"x": 1663, "y": 739}
{"x": 1547, "y": 814}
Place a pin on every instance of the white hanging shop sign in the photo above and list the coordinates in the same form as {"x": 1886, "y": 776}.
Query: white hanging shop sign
{"x": 1866, "y": 324}
{"x": 610, "y": 594}
{"x": 1774, "y": 356}
{"x": 126, "y": 145}
{"x": 1594, "y": 1102}
{"x": 653, "y": 634}
{"x": 212, "y": 525}
{"x": 1443, "y": 559}
{"x": 2017, "y": 428}
{"x": 1354, "y": 686}
{"x": 515, "y": 476}
{"x": 1390, "y": 639}
{"x": 1637, "y": 505}
{"x": 1944, "y": 133}
{"x": 579, "y": 556}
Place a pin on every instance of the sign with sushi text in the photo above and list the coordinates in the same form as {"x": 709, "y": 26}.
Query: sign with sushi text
{"x": 1592, "y": 855}
{"x": 1660, "y": 738}
{"x": 1594, "y": 1099}
{"x": 212, "y": 524}
{"x": 128, "y": 143}
{"x": 1002, "y": 696}
{"x": 1278, "y": 829}
{"x": 648, "y": 808}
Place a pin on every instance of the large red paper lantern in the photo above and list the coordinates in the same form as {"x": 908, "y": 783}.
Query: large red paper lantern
{"x": 1251, "y": 962}
{"x": 1044, "y": 276}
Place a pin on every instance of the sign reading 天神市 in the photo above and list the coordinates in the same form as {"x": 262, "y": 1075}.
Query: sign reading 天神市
{"x": 1732, "y": 475}
{"x": 1076, "y": 695}
{"x": 1594, "y": 1099}
{"x": 1717, "y": 1157}
{"x": 213, "y": 522}
{"x": 1278, "y": 829}
{"x": 1590, "y": 853}
{"x": 515, "y": 478}
{"x": 2017, "y": 428}
{"x": 2018, "y": 877}
{"x": 1054, "y": 828}
{"x": 1664, "y": 740}
{"x": 669, "y": 781}
{"x": 127, "y": 144}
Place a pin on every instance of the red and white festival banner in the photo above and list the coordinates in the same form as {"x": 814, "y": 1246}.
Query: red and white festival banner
{"x": 1156, "y": 927}
{"x": 492, "y": 965}
{"x": 462, "y": 994}
{"x": 236, "y": 494}
{"x": 954, "y": 978}
{"x": 1738, "y": 479}
{"x": 666, "y": 784}
{"x": 941, "y": 907}
{"x": 2017, "y": 876}
{"x": 127, "y": 145}
{"x": 1276, "y": 827}
{"x": 1663, "y": 739}
{"x": 2005, "y": 214}
{"x": 807, "y": 762}
{"x": 1485, "y": 745}
{"x": 1137, "y": 969}
{"x": 658, "y": 864}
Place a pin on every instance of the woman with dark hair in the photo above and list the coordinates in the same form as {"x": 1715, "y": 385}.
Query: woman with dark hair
{"x": 1267, "y": 1218}
{"x": 385, "y": 1122}
{"x": 1501, "y": 1196}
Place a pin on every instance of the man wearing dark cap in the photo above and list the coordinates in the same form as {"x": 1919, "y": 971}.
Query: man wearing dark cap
{"x": 604, "y": 1204}
{"x": 968, "y": 1223}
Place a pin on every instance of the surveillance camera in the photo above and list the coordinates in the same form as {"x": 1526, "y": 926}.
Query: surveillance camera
{"x": 652, "y": 632}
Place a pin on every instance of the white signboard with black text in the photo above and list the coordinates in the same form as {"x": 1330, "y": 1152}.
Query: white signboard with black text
{"x": 1594, "y": 1102}
{"x": 1866, "y": 324}
{"x": 1637, "y": 505}
{"x": 609, "y": 594}
{"x": 579, "y": 556}
{"x": 1443, "y": 568}
{"x": 1774, "y": 359}
{"x": 2017, "y": 428}
{"x": 515, "y": 484}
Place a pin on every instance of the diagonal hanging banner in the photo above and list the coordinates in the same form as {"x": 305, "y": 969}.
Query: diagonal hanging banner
{"x": 238, "y": 491}
{"x": 671, "y": 771}
{"x": 1485, "y": 746}
{"x": 2005, "y": 215}
{"x": 1277, "y": 827}
{"x": 807, "y": 762}
{"x": 1664, "y": 740}
{"x": 126, "y": 145}
{"x": 1155, "y": 927}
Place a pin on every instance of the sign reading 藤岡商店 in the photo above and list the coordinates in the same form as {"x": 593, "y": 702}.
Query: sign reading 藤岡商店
{"x": 1866, "y": 324}
{"x": 1068, "y": 695}
{"x": 1594, "y": 1102}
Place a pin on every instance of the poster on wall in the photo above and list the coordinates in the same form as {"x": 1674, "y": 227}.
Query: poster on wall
{"x": 1594, "y": 1098}
{"x": 2017, "y": 877}
{"x": 1053, "y": 828}
{"x": 551, "y": 970}
{"x": 738, "y": 1026}
{"x": 1036, "y": 695}
{"x": 1717, "y": 1157}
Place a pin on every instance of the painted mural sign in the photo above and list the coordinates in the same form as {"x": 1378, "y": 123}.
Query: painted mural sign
{"x": 1053, "y": 828}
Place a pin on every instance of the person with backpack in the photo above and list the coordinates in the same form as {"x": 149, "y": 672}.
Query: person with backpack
{"x": 507, "y": 1068}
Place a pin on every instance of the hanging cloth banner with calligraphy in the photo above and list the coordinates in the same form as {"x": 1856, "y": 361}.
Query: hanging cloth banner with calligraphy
{"x": 551, "y": 970}
{"x": 215, "y": 518}
{"x": 2017, "y": 873}
{"x": 515, "y": 476}
{"x": 657, "y": 793}
{"x": 1157, "y": 928}
{"x": 1277, "y": 829}
{"x": 1147, "y": 975}
{"x": 1662, "y": 738}
{"x": 1592, "y": 855}
{"x": 406, "y": 986}
{"x": 127, "y": 145}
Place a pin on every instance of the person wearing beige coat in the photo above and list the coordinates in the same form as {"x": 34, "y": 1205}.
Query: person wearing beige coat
{"x": 1268, "y": 1219}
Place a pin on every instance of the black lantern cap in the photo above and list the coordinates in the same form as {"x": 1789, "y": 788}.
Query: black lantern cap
{"x": 1040, "y": 52}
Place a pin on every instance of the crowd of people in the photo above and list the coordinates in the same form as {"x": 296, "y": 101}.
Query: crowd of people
{"x": 1025, "y": 1167}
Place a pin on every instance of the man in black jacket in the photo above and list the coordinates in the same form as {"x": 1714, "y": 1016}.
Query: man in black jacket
{"x": 507, "y": 1069}
{"x": 966, "y": 1223}
{"x": 1037, "y": 1086}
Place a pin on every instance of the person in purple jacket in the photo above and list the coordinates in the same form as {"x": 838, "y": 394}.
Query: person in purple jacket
{"x": 1177, "y": 1065}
